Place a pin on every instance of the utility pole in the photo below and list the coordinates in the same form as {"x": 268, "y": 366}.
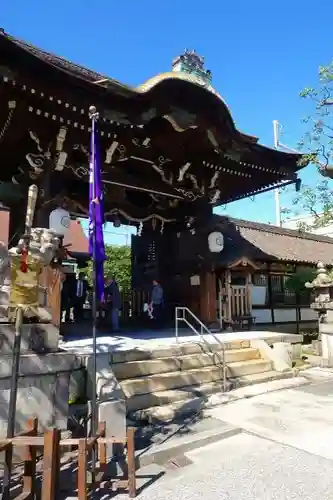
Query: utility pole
{"x": 278, "y": 219}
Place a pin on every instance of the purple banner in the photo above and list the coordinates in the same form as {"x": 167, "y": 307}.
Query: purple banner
{"x": 96, "y": 216}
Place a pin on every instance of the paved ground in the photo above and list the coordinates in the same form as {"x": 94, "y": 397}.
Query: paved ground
{"x": 288, "y": 455}
{"x": 150, "y": 339}
{"x": 247, "y": 467}
{"x": 302, "y": 417}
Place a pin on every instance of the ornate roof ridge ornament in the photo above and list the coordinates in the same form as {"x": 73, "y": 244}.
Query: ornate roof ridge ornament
{"x": 192, "y": 63}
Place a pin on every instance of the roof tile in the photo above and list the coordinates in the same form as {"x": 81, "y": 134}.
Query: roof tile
{"x": 263, "y": 241}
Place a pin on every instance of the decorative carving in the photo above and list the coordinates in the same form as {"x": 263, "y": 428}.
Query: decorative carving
{"x": 187, "y": 194}
{"x": 183, "y": 170}
{"x": 213, "y": 197}
{"x": 214, "y": 179}
{"x": 146, "y": 143}
{"x": 158, "y": 166}
{"x": 80, "y": 172}
{"x": 128, "y": 217}
{"x": 121, "y": 149}
{"x": 61, "y": 156}
{"x": 80, "y": 165}
{"x": 36, "y": 161}
{"x": 111, "y": 150}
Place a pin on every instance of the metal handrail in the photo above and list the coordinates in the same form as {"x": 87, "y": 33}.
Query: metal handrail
{"x": 203, "y": 330}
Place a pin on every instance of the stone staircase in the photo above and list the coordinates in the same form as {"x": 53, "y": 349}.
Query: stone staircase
{"x": 166, "y": 382}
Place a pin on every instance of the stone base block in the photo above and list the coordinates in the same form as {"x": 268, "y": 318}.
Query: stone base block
{"x": 326, "y": 363}
{"x": 43, "y": 389}
{"x": 113, "y": 413}
{"x": 317, "y": 347}
{"x": 35, "y": 338}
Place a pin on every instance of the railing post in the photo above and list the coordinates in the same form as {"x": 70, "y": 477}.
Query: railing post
{"x": 176, "y": 325}
{"x": 224, "y": 368}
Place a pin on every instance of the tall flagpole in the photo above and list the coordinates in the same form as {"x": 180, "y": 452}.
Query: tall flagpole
{"x": 277, "y": 191}
{"x": 93, "y": 115}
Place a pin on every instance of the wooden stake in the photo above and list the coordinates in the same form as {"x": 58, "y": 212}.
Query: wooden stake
{"x": 102, "y": 446}
{"x": 82, "y": 470}
{"x": 30, "y": 453}
{"x": 131, "y": 463}
{"x": 51, "y": 464}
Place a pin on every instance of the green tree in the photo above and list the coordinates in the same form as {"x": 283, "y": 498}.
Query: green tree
{"x": 317, "y": 147}
{"x": 296, "y": 282}
{"x": 117, "y": 264}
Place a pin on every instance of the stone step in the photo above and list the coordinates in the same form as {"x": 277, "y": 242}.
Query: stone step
{"x": 186, "y": 362}
{"x": 167, "y": 397}
{"x": 259, "y": 378}
{"x": 175, "y": 380}
{"x": 190, "y": 406}
{"x": 183, "y": 349}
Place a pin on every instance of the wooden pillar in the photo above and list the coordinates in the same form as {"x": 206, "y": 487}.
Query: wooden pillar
{"x": 208, "y": 304}
{"x": 270, "y": 293}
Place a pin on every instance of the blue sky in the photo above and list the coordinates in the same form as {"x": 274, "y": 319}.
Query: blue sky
{"x": 261, "y": 55}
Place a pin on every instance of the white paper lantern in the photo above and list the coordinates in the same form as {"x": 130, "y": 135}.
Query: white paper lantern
{"x": 59, "y": 221}
{"x": 216, "y": 242}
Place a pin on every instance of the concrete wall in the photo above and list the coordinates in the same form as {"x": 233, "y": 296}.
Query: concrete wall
{"x": 283, "y": 315}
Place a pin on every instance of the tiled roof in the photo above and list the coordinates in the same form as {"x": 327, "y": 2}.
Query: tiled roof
{"x": 265, "y": 242}
{"x": 76, "y": 238}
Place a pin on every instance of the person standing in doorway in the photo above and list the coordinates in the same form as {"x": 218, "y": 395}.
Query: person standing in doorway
{"x": 80, "y": 298}
{"x": 68, "y": 294}
{"x": 157, "y": 302}
{"x": 113, "y": 302}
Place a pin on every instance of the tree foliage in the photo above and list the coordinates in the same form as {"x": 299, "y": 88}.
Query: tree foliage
{"x": 317, "y": 148}
{"x": 296, "y": 282}
{"x": 318, "y": 140}
{"x": 117, "y": 264}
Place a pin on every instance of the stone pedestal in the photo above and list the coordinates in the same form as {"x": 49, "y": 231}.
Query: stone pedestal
{"x": 327, "y": 350}
{"x": 38, "y": 338}
{"x": 322, "y": 286}
{"x": 111, "y": 399}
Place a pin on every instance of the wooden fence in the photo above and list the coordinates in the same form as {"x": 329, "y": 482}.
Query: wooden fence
{"x": 51, "y": 444}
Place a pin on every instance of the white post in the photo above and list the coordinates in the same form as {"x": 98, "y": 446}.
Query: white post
{"x": 277, "y": 191}
{"x": 176, "y": 324}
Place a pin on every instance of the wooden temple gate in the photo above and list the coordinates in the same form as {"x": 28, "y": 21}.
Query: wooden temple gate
{"x": 234, "y": 299}
{"x": 166, "y": 162}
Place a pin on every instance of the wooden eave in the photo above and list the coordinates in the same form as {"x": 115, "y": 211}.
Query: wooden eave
{"x": 51, "y": 85}
{"x": 211, "y": 110}
{"x": 242, "y": 262}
